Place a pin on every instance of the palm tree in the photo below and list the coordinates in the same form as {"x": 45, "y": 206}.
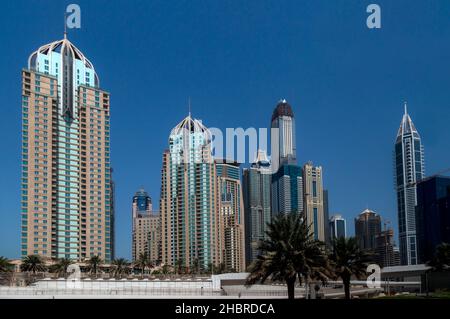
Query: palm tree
{"x": 120, "y": 266}
{"x": 195, "y": 267}
{"x": 179, "y": 266}
{"x": 60, "y": 267}
{"x": 441, "y": 258}
{"x": 5, "y": 265}
{"x": 439, "y": 262}
{"x": 210, "y": 269}
{"x": 289, "y": 252}
{"x": 94, "y": 264}
{"x": 33, "y": 263}
{"x": 142, "y": 262}
{"x": 348, "y": 260}
{"x": 165, "y": 269}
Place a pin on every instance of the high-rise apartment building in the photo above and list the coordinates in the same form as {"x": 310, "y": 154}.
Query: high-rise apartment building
{"x": 146, "y": 230}
{"x": 232, "y": 216}
{"x": 256, "y": 182}
{"x": 409, "y": 169}
{"x": 189, "y": 204}
{"x": 367, "y": 227}
{"x": 283, "y": 148}
{"x": 338, "y": 227}
{"x": 66, "y": 203}
{"x": 314, "y": 200}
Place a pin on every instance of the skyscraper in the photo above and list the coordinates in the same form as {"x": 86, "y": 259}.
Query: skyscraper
{"x": 145, "y": 227}
{"x": 232, "y": 217}
{"x": 338, "y": 227}
{"x": 326, "y": 214}
{"x": 409, "y": 169}
{"x": 283, "y": 148}
{"x": 190, "y": 221}
{"x": 287, "y": 190}
{"x": 256, "y": 184}
{"x": 314, "y": 200}
{"x": 367, "y": 227}
{"x": 433, "y": 215}
{"x": 287, "y": 179}
{"x": 66, "y": 174}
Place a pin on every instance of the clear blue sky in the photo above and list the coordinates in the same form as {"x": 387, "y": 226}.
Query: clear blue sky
{"x": 236, "y": 59}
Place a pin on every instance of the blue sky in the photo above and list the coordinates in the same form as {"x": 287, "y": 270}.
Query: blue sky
{"x": 236, "y": 59}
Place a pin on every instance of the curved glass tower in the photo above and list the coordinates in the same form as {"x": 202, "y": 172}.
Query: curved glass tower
{"x": 409, "y": 169}
{"x": 67, "y": 207}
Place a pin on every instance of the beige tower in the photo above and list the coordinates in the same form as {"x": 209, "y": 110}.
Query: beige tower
{"x": 232, "y": 219}
{"x": 314, "y": 200}
{"x": 67, "y": 199}
{"x": 145, "y": 227}
{"x": 146, "y": 236}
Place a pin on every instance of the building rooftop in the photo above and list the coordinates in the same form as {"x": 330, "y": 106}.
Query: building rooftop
{"x": 407, "y": 126}
{"x": 282, "y": 109}
{"x": 59, "y": 47}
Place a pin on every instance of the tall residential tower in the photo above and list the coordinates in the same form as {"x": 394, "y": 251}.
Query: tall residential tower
{"x": 314, "y": 207}
{"x": 232, "y": 217}
{"x": 190, "y": 221}
{"x": 256, "y": 182}
{"x": 409, "y": 169}
{"x": 66, "y": 174}
{"x": 145, "y": 227}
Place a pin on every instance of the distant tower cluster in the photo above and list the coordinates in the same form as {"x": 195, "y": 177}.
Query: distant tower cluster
{"x": 409, "y": 169}
{"x": 279, "y": 186}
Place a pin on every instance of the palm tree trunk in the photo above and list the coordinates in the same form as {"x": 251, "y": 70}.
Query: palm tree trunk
{"x": 291, "y": 287}
{"x": 346, "y": 281}
{"x": 306, "y": 288}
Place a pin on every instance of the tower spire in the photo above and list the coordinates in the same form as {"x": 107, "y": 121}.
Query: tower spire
{"x": 406, "y": 107}
{"x": 189, "y": 106}
{"x": 65, "y": 25}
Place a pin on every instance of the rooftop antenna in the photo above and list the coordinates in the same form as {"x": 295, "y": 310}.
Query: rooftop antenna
{"x": 189, "y": 106}
{"x": 406, "y": 107}
{"x": 65, "y": 25}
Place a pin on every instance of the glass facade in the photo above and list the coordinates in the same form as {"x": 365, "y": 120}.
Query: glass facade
{"x": 256, "y": 183}
{"x": 432, "y": 215}
{"x": 409, "y": 169}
